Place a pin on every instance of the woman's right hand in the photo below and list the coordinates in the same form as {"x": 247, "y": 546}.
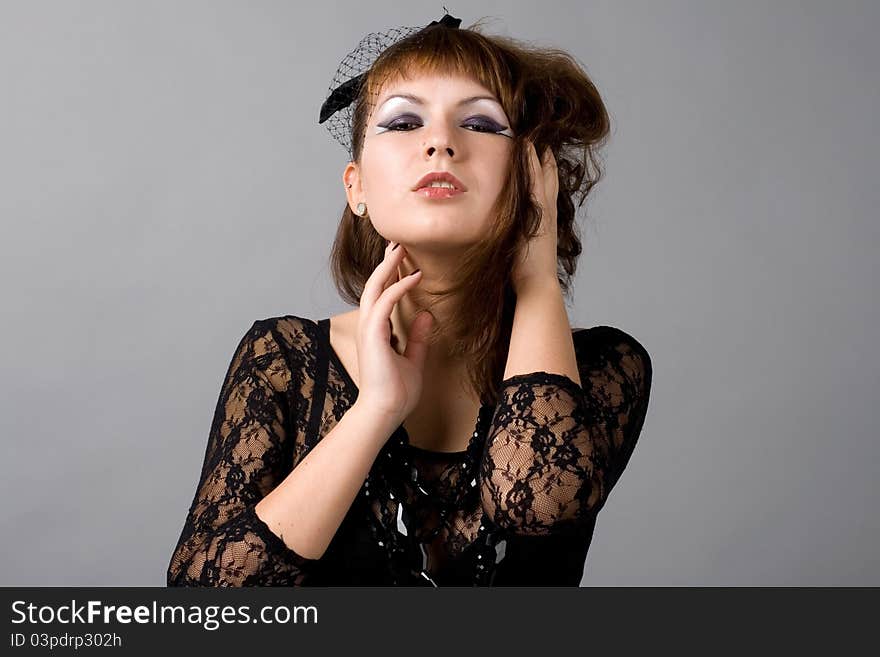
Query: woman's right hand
{"x": 389, "y": 383}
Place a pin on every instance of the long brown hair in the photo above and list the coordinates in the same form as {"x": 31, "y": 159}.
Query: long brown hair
{"x": 550, "y": 100}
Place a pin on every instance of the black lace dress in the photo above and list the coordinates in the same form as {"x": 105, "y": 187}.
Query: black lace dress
{"x": 548, "y": 460}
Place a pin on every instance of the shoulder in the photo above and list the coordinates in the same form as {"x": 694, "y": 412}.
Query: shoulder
{"x": 607, "y": 353}
{"x": 610, "y": 337}
{"x": 283, "y": 347}
{"x": 291, "y": 332}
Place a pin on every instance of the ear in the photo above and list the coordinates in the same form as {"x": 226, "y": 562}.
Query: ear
{"x": 355, "y": 194}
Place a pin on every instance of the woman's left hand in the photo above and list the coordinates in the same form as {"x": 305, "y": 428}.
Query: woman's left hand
{"x": 537, "y": 258}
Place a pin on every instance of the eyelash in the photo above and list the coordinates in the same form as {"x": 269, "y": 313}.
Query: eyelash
{"x": 490, "y": 128}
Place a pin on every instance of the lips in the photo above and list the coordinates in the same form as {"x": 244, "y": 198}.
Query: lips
{"x": 438, "y": 192}
{"x": 442, "y": 176}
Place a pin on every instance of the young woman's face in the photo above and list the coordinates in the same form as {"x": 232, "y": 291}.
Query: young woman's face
{"x": 449, "y": 130}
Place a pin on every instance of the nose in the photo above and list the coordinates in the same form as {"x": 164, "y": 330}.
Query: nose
{"x": 439, "y": 139}
{"x": 432, "y": 149}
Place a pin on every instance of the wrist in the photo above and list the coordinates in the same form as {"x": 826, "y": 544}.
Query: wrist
{"x": 369, "y": 415}
{"x": 537, "y": 285}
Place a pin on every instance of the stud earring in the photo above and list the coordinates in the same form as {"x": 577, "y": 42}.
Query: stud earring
{"x": 361, "y": 209}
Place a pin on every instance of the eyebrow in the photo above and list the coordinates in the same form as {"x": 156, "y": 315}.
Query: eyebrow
{"x": 421, "y": 101}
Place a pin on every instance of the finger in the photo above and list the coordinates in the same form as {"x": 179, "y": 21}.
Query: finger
{"x": 533, "y": 166}
{"x": 534, "y": 160}
{"x": 378, "y": 280}
{"x": 549, "y": 164}
{"x": 539, "y": 159}
{"x": 551, "y": 176}
{"x": 378, "y": 318}
{"x": 393, "y": 277}
{"x": 416, "y": 342}
{"x": 538, "y": 174}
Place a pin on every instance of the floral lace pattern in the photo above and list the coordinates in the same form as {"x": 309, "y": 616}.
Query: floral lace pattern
{"x": 552, "y": 455}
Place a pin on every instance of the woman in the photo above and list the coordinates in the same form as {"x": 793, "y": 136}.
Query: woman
{"x": 452, "y": 429}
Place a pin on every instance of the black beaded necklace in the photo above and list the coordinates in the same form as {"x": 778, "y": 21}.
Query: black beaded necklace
{"x": 407, "y": 555}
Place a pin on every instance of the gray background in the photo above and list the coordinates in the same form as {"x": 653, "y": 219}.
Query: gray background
{"x": 165, "y": 183}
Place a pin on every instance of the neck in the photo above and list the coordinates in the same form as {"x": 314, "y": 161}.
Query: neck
{"x": 435, "y": 276}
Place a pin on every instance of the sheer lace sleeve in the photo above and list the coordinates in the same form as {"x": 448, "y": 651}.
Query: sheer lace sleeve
{"x": 224, "y": 543}
{"x": 555, "y": 448}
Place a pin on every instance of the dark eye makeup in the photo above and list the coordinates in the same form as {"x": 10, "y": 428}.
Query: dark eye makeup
{"x": 474, "y": 123}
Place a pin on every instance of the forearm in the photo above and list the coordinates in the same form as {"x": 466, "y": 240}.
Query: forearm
{"x": 541, "y": 335}
{"x": 306, "y": 509}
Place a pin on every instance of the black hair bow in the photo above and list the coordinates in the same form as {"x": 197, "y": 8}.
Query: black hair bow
{"x": 345, "y": 94}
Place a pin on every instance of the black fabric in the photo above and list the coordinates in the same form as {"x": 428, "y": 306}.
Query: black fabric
{"x": 552, "y": 455}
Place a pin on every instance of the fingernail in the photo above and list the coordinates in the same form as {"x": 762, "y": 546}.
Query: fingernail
{"x": 395, "y": 246}
{"x": 415, "y": 272}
